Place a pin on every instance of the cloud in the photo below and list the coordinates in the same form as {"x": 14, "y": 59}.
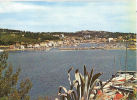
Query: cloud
{"x": 7, "y": 7}
{"x": 66, "y": 16}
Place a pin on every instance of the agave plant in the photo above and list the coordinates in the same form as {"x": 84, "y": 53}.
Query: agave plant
{"x": 81, "y": 87}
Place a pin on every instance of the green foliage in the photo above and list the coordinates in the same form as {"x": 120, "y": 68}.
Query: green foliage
{"x": 9, "y": 81}
{"x": 8, "y": 37}
{"x": 81, "y": 87}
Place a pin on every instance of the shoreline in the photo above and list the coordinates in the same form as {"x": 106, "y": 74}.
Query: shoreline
{"x": 28, "y": 49}
{"x": 67, "y": 49}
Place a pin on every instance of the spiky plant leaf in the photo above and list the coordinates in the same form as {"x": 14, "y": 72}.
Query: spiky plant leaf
{"x": 85, "y": 71}
{"x": 60, "y": 90}
{"x": 96, "y": 76}
{"x": 77, "y": 76}
{"x": 93, "y": 82}
{"x": 82, "y": 85}
{"x": 69, "y": 79}
{"x": 74, "y": 95}
{"x": 89, "y": 80}
{"x": 86, "y": 85}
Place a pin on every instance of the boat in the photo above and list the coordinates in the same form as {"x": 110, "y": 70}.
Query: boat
{"x": 122, "y": 77}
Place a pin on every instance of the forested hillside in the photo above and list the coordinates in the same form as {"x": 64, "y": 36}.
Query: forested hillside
{"x": 8, "y": 37}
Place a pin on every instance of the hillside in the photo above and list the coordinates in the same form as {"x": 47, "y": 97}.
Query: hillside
{"x": 8, "y": 36}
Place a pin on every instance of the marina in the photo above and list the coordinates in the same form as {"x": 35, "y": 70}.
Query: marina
{"x": 119, "y": 84}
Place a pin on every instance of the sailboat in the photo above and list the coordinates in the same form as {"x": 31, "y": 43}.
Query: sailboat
{"x": 124, "y": 80}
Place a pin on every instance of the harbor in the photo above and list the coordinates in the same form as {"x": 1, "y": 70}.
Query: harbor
{"x": 121, "y": 85}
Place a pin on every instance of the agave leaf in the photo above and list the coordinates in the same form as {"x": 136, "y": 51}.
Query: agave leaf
{"x": 101, "y": 84}
{"x": 86, "y": 84}
{"x": 78, "y": 91}
{"x": 93, "y": 82}
{"x": 86, "y": 76}
{"x": 70, "y": 69}
{"x": 77, "y": 86}
{"x": 91, "y": 89}
{"x": 85, "y": 71}
{"x": 77, "y": 77}
{"x": 63, "y": 94}
{"x": 89, "y": 80}
{"x": 82, "y": 85}
{"x": 68, "y": 96}
{"x": 62, "y": 97}
{"x": 96, "y": 76}
{"x": 70, "y": 82}
{"x": 75, "y": 83}
{"x": 60, "y": 89}
{"x": 74, "y": 95}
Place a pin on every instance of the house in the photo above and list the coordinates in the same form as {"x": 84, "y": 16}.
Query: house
{"x": 29, "y": 46}
{"x": 56, "y": 35}
{"x": 103, "y": 39}
{"x": 87, "y": 36}
{"x": 36, "y": 45}
{"x": 60, "y": 42}
{"x": 22, "y": 47}
{"x": 110, "y": 39}
{"x": 50, "y": 44}
{"x": 12, "y": 47}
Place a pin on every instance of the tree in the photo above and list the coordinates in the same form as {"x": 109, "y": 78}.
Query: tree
{"x": 9, "y": 81}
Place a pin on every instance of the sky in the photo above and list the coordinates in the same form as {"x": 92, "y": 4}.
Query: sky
{"x": 68, "y": 15}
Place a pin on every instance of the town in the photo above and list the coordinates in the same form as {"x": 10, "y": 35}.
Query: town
{"x": 70, "y": 41}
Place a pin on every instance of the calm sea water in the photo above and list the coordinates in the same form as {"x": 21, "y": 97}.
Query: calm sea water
{"x": 48, "y": 69}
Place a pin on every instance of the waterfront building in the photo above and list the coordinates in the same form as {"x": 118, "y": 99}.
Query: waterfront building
{"x": 22, "y": 47}
{"x": 29, "y": 46}
{"x": 110, "y": 39}
{"x": 36, "y": 45}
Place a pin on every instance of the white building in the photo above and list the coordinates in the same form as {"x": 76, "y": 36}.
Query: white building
{"x": 29, "y": 46}
{"x": 87, "y": 36}
{"x": 36, "y": 46}
{"x": 62, "y": 35}
{"x": 22, "y": 47}
{"x": 110, "y": 39}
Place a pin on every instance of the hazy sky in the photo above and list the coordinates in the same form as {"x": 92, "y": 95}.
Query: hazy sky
{"x": 69, "y": 16}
